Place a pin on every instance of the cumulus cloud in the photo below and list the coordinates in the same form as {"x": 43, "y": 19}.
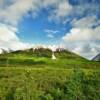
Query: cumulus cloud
{"x": 62, "y": 10}
{"x": 82, "y": 34}
{"x": 9, "y": 39}
{"x": 86, "y": 7}
{"x": 84, "y": 22}
{"x": 65, "y": 9}
{"x": 87, "y": 50}
{"x": 13, "y": 13}
{"x": 83, "y": 38}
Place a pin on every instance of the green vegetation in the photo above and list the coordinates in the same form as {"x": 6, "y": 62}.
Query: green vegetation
{"x": 33, "y": 75}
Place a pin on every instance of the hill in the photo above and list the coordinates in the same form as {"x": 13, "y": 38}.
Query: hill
{"x": 32, "y": 74}
{"x": 41, "y": 57}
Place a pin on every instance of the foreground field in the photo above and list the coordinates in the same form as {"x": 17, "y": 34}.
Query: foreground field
{"x": 49, "y": 84}
{"x": 35, "y": 76}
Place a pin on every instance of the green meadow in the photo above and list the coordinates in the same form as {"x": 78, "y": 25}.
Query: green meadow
{"x": 33, "y": 75}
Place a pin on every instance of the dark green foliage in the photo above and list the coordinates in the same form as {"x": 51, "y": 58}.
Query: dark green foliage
{"x": 78, "y": 87}
{"x": 49, "y": 84}
{"x": 10, "y": 94}
{"x": 43, "y": 52}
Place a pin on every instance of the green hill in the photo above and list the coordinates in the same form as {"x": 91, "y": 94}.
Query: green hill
{"x": 32, "y": 74}
{"x": 42, "y": 58}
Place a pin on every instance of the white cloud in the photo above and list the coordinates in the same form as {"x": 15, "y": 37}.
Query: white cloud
{"x": 51, "y": 31}
{"x": 9, "y": 39}
{"x": 88, "y": 22}
{"x": 50, "y": 35}
{"x": 83, "y": 7}
{"x": 62, "y": 10}
{"x": 53, "y": 47}
{"x": 14, "y": 12}
{"x": 47, "y": 3}
{"x": 1, "y": 3}
{"x": 82, "y": 34}
{"x": 83, "y": 39}
{"x": 87, "y": 50}
{"x": 75, "y": 35}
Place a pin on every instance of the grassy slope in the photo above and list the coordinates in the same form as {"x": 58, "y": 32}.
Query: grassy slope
{"x": 34, "y": 76}
{"x": 42, "y": 58}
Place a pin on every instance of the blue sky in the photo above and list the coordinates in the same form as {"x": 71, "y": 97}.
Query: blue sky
{"x": 71, "y": 24}
{"x": 34, "y": 30}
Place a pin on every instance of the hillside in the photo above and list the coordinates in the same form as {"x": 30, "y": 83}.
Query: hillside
{"x": 32, "y": 74}
{"x": 43, "y": 57}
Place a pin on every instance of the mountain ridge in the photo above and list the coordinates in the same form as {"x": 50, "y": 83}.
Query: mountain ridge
{"x": 96, "y": 58}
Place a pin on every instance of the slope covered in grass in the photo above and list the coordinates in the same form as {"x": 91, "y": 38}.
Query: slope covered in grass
{"x": 42, "y": 58}
{"x": 33, "y": 75}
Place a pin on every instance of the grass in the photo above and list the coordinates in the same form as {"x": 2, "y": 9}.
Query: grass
{"x": 33, "y": 83}
{"x": 35, "y": 76}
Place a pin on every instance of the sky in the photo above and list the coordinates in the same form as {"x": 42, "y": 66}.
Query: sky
{"x": 71, "y": 24}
